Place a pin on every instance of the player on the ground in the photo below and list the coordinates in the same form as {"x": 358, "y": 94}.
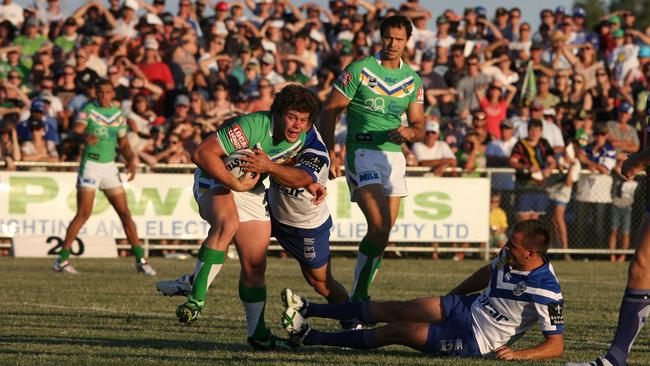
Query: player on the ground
{"x": 635, "y": 307}
{"x": 522, "y": 290}
{"x": 236, "y": 209}
{"x": 104, "y": 127}
{"x": 376, "y": 91}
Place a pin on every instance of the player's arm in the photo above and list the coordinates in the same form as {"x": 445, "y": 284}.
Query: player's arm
{"x": 551, "y": 347}
{"x": 476, "y": 282}
{"x": 288, "y": 176}
{"x": 208, "y": 156}
{"x": 129, "y": 156}
{"x": 635, "y": 163}
{"x": 335, "y": 104}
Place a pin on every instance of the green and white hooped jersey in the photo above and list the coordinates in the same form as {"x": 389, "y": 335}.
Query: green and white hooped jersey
{"x": 256, "y": 130}
{"x": 378, "y": 98}
{"x": 108, "y": 124}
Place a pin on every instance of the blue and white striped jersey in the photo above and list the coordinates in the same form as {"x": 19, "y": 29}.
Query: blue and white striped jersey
{"x": 293, "y": 207}
{"x": 513, "y": 302}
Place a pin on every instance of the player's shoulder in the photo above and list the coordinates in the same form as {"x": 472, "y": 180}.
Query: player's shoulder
{"x": 407, "y": 69}
{"x": 359, "y": 65}
{"x": 262, "y": 117}
{"x": 546, "y": 283}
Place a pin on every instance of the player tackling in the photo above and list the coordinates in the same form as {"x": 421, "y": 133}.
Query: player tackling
{"x": 521, "y": 290}
{"x": 376, "y": 91}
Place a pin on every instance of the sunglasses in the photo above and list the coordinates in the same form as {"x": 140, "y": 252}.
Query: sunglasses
{"x": 13, "y": 77}
{"x": 174, "y": 142}
{"x": 473, "y": 63}
{"x": 601, "y": 74}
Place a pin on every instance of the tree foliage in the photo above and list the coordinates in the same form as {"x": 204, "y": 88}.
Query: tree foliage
{"x": 640, "y": 8}
{"x": 595, "y": 10}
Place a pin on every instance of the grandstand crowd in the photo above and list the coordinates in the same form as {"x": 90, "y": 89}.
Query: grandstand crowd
{"x": 498, "y": 93}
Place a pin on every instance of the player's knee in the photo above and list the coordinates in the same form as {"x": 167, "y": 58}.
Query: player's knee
{"x": 224, "y": 228}
{"x": 320, "y": 287}
{"x": 638, "y": 268}
{"x": 380, "y": 229}
{"x": 124, "y": 214}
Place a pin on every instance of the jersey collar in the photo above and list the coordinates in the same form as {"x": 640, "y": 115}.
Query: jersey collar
{"x": 272, "y": 124}
{"x": 378, "y": 59}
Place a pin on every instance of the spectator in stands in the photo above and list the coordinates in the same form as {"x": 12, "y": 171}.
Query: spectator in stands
{"x": 495, "y": 105}
{"x": 498, "y": 222}
{"x": 468, "y": 85}
{"x": 498, "y": 150}
{"x": 551, "y": 132}
{"x": 432, "y": 152}
{"x": 38, "y": 112}
{"x": 594, "y": 191}
{"x": 622, "y": 136}
{"x": 622, "y": 200}
{"x": 154, "y": 70}
{"x": 181, "y": 113}
{"x": 533, "y": 159}
{"x": 265, "y": 99}
{"x": 604, "y": 97}
{"x": 9, "y": 146}
{"x": 31, "y": 40}
{"x": 67, "y": 41}
{"x": 471, "y": 154}
{"x": 12, "y": 12}
{"x": 37, "y": 148}
{"x": 174, "y": 153}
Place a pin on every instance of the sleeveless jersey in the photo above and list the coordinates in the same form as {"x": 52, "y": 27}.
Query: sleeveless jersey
{"x": 378, "y": 98}
{"x": 108, "y": 124}
{"x": 293, "y": 207}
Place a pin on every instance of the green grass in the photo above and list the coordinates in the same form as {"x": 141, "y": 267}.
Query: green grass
{"x": 111, "y": 315}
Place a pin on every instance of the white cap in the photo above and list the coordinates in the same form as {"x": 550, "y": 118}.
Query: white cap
{"x": 133, "y": 4}
{"x": 549, "y": 112}
{"x": 432, "y": 126}
{"x": 316, "y": 36}
{"x": 268, "y": 59}
{"x": 153, "y": 19}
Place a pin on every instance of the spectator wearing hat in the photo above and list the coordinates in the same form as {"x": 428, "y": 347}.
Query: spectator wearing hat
{"x": 443, "y": 39}
{"x": 498, "y": 150}
{"x": 153, "y": 68}
{"x": 38, "y": 112}
{"x": 12, "y": 63}
{"x": 623, "y": 137}
{"x": 539, "y": 65}
{"x": 532, "y": 157}
{"x": 181, "y": 113}
{"x": 125, "y": 25}
{"x": 436, "y": 91}
{"x": 556, "y": 54}
{"x": 432, "y": 152}
{"x": 31, "y": 40}
{"x": 267, "y": 70}
{"x": 68, "y": 38}
{"x": 37, "y": 148}
{"x": 93, "y": 19}
{"x": 422, "y": 37}
{"x": 502, "y": 23}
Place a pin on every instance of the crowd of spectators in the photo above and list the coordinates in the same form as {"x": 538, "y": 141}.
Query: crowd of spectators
{"x": 498, "y": 93}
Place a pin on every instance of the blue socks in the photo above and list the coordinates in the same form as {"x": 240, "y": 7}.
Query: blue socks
{"x": 635, "y": 309}
{"x": 359, "y": 339}
{"x": 343, "y": 311}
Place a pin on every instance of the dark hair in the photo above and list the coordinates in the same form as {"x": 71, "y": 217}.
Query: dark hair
{"x": 104, "y": 82}
{"x": 535, "y": 123}
{"x": 396, "y": 21}
{"x": 536, "y": 235}
{"x": 295, "y": 98}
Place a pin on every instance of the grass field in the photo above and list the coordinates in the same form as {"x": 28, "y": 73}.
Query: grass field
{"x": 111, "y": 315}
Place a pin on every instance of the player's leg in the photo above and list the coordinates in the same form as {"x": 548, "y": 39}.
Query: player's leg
{"x": 324, "y": 283}
{"x": 376, "y": 209}
{"x": 613, "y": 237}
{"x": 85, "y": 198}
{"x": 635, "y": 307}
{"x": 217, "y": 207}
{"x": 117, "y": 198}
{"x": 625, "y": 231}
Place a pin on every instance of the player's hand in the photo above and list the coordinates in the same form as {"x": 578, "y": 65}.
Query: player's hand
{"x": 318, "y": 191}
{"x": 91, "y": 139}
{"x": 401, "y": 135}
{"x": 257, "y": 162}
{"x": 335, "y": 167}
{"x": 246, "y": 182}
{"x": 131, "y": 169}
{"x": 505, "y": 353}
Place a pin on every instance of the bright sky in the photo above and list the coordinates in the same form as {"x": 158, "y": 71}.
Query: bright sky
{"x": 530, "y": 9}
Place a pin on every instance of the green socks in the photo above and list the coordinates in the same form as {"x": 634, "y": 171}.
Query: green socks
{"x": 368, "y": 263}
{"x": 207, "y": 268}
{"x": 138, "y": 251}
{"x": 254, "y": 301}
{"x": 63, "y": 255}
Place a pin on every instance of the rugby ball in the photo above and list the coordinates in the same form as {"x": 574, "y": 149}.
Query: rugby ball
{"x": 233, "y": 162}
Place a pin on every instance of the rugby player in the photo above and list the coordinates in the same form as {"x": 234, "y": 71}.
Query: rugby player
{"x": 104, "y": 128}
{"x": 236, "y": 208}
{"x": 376, "y": 91}
{"x": 521, "y": 289}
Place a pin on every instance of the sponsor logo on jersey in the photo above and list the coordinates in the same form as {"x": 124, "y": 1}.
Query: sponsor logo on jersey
{"x": 309, "y": 250}
{"x": 86, "y": 180}
{"x": 555, "y": 313}
{"x": 490, "y": 309}
{"x": 364, "y": 137}
{"x": 375, "y": 104}
{"x": 345, "y": 78}
{"x": 237, "y": 137}
{"x": 368, "y": 176}
{"x": 519, "y": 289}
{"x": 314, "y": 163}
{"x": 420, "y": 96}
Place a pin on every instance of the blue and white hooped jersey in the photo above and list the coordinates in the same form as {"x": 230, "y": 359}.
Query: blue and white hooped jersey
{"x": 513, "y": 302}
{"x": 293, "y": 207}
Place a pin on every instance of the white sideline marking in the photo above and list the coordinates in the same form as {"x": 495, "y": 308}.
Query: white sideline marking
{"x": 113, "y": 311}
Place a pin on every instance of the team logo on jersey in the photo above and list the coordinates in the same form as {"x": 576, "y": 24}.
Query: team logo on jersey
{"x": 375, "y": 104}
{"x": 420, "y": 96}
{"x": 314, "y": 163}
{"x": 520, "y": 288}
{"x": 345, "y": 78}
{"x": 372, "y": 82}
{"x": 399, "y": 89}
{"x": 237, "y": 137}
{"x": 555, "y": 313}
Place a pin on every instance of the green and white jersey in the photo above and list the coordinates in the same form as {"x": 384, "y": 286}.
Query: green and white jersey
{"x": 378, "y": 99}
{"x": 108, "y": 124}
{"x": 256, "y": 130}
